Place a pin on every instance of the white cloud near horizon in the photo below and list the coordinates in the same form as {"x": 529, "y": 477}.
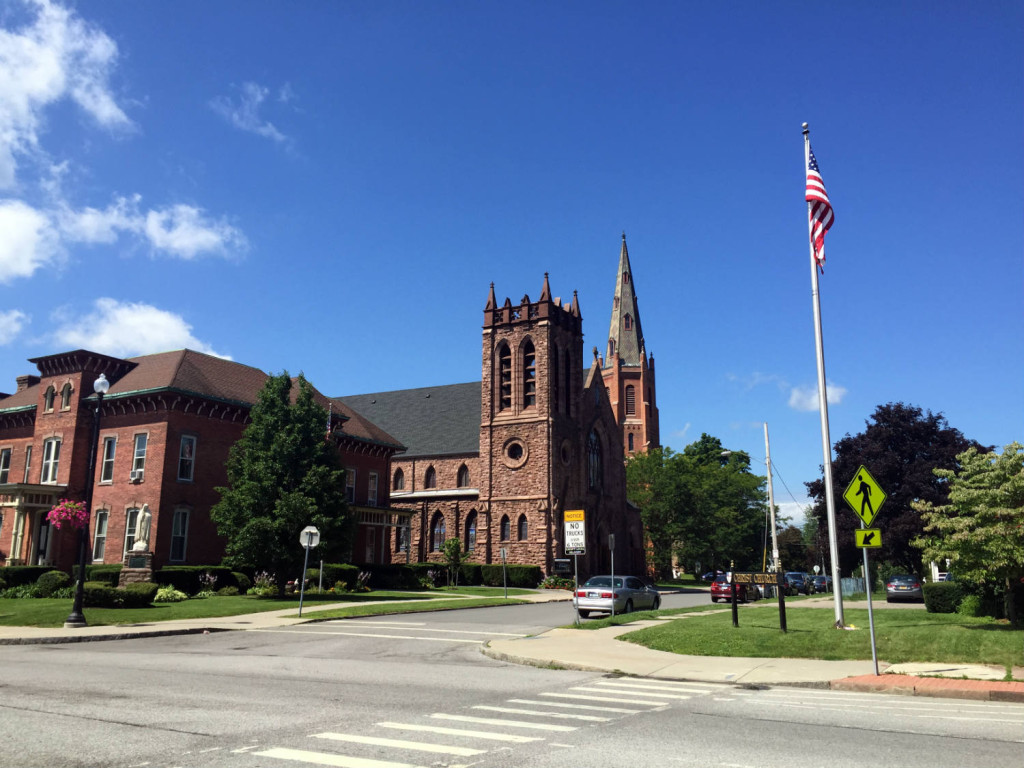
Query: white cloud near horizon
{"x": 11, "y": 324}
{"x": 56, "y": 56}
{"x": 245, "y": 113}
{"x": 806, "y": 398}
{"x": 28, "y": 242}
{"x": 124, "y": 329}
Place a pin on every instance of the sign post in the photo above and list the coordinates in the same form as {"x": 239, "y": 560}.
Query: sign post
{"x": 504, "y": 570}
{"x": 575, "y": 540}
{"x": 865, "y": 497}
{"x": 309, "y": 538}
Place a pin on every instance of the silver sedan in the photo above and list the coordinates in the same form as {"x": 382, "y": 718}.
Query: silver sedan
{"x": 596, "y": 595}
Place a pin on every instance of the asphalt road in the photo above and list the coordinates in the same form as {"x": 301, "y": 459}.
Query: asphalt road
{"x": 414, "y": 690}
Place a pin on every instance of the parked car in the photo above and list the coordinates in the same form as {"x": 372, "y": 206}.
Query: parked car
{"x": 821, "y": 584}
{"x": 721, "y": 590}
{"x": 710, "y": 575}
{"x": 597, "y": 595}
{"x": 797, "y": 582}
{"x": 903, "y": 587}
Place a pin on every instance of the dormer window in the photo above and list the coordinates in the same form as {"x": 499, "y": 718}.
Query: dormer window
{"x": 627, "y": 322}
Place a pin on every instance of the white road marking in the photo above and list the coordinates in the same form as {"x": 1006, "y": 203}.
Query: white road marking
{"x": 370, "y": 634}
{"x": 401, "y": 744}
{"x": 237, "y": 751}
{"x": 513, "y": 737}
{"x": 504, "y": 723}
{"x": 555, "y": 715}
{"x": 617, "y": 700}
{"x": 449, "y": 631}
{"x": 659, "y": 686}
{"x": 591, "y": 707}
{"x": 325, "y": 758}
{"x": 633, "y": 693}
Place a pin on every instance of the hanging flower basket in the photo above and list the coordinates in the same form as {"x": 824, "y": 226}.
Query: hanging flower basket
{"x": 70, "y": 513}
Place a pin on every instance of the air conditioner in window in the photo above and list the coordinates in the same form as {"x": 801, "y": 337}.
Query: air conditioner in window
{"x": 135, "y": 476}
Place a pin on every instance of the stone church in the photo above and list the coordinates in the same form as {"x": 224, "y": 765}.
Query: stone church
{"x": 496, "y": 463}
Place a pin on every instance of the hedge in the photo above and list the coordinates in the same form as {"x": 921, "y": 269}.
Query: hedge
{"x": 942, "y": 596}
{"x": 187, "y": 578}
{"x": 100, "y": 595}
{"x": 522, "y": 576}
{"x": 108, "y": 574}
{"x": 333, "y": 573}
{"x": 392, "y": 576}
{"x": 50, "y": 582}
{"x": 20, "y": 575}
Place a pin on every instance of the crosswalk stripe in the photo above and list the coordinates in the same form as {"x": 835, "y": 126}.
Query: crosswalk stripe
{"x": 617, "y": 699}
{"x": 419, "y": 746}
{"x": 325, "y": 758}
{"x": 370, "y": 634}
{"x": 554, "y": 715}
{"x": 651, "y": 686}
{"x": 513, "y": 737}
{"x": 564, "y": 705}
{"x": 505, "y": 723}
{"x": 633, "y": 693}
{"x": 385, "y": 625}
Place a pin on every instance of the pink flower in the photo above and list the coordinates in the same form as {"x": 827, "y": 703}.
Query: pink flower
{"x": 68, "y": 512}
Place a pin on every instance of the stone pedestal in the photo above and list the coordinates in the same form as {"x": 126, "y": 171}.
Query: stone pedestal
{"x": 137, "y": 568}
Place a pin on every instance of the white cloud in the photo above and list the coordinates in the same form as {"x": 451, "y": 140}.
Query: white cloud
{"x": 28, "y": 241}
{"x": 681, "y": 433}
{"x": 185, "y": 231}
{"x": 56, "y": 56}
{"x": 245, "y": 113}
{"x": 11, "y": 323}
{"x": 806, "y": 398}
{"x": 123, "y": 329}
{"x": 796, "y": 512}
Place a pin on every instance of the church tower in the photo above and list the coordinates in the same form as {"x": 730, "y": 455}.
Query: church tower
{"x": 627, "y": 370}
{"x": 531, "y": 401}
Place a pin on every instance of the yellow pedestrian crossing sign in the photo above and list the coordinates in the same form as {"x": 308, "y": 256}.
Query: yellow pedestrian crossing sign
{"x": 864, "y": 495}
{"x": 867, "y": 538}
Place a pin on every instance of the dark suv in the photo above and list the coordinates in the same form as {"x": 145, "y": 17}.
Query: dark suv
{"x": 798, "y": 582}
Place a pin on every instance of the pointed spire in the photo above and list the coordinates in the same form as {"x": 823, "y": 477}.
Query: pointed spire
{"x": 492, "y": 302}
{"x": 545, "y": 291}
{"x": 574, "y": 308}
{"x": 625, "y": 337}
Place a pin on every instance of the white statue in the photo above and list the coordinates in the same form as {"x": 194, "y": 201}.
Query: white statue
{"x": 142, "y": 530}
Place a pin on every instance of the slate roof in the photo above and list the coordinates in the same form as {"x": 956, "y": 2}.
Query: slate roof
{"x": 429, "y": 421}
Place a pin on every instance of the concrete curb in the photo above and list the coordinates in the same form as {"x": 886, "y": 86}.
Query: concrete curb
{"x": 59, "y": 640}
{"x": 937, "y": 687}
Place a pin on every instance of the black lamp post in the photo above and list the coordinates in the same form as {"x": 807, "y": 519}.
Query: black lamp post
{"x": 76, "y": 618}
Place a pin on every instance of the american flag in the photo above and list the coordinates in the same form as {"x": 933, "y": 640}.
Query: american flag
{"x": 820, "y": 210}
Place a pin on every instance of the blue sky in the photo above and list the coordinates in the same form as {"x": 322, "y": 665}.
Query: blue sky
{"x": 330, "y": 187}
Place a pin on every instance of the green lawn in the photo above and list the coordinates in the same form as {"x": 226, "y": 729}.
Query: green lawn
{"x": 31, "y": 612}
{"x": 901, "y": 636}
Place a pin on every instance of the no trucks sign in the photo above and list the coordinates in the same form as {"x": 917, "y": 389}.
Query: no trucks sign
{"x": 575, "y": 532}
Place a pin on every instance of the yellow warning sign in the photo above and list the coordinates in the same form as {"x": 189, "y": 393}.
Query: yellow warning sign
{"x": 868, "y": 538}
{"x": 573, "y": 515}
{"x": 864, "y": 495}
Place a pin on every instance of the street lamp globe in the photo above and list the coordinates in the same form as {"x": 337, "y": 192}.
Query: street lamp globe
{"x": 101, "y": 385}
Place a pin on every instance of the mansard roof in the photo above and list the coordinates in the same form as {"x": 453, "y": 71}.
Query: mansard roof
{"x": 626, "y": 341}
{"x": 429, "y": 421}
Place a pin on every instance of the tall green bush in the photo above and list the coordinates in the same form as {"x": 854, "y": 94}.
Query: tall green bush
{"x": 942, "y": 596}
{"x": 18, "y": 575}
{"x": 50, "y": 582}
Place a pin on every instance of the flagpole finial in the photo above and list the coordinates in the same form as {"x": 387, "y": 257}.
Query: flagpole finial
{"x": 806, "y": 129}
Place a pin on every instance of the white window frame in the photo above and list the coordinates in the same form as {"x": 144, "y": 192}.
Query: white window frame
{"x": 131, "y": 528}
{"x": 28, "y": 462}
{"x": 371, "y": 491}
{"x": 194, "y": 442}
{"x": 139, "y": 459}
{"x": 179, "y": 533}
{"x": 51, "y": 461}
{"x": 99, "y": 536}
{"x": 107, "y": 463}
{"x": 5, "y": 464}
{"x": 350, "y": 486}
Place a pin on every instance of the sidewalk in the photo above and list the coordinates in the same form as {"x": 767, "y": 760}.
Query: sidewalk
{"x": 599, "y": 651}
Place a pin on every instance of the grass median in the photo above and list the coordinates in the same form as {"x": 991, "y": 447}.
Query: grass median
{"x": 49, "y": 612}
{"x": 901, "y": 636}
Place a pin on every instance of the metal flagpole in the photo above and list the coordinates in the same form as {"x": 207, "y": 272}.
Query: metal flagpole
{"x": 826, "y": 443}
{"x": 771, "y": 500}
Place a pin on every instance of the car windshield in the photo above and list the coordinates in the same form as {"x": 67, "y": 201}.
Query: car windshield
{"x": 602, "y": 581}
{"x": 721, "y": 579}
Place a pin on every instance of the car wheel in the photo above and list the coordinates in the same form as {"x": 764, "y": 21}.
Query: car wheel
{"x": 657, "y": 604}
{"x": 629, "y": 607}
{"x": 714, "y": 599}
{"x": 584, "y": 614}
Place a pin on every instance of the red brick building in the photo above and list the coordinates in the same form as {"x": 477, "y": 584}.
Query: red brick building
{"x": 167, "y": 424}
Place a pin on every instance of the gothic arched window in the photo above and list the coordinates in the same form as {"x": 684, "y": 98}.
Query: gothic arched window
{"x": 430, "y": 479}
{"x": 463, "y": 478}
{"x": 65, "y": 397}
{"x": 630, "y": 400}
{"x": 506, "y": 528}
{"x": 627, "y": 322}
{"x": 399, "y": 484}
{"x": 556, "y": 388}
{"x": 523, "y": 528}
{"x": 529, "y": 375}
{"x": 631, "y": 441}
{"x": 471, "y": 532}
{"x": 48, "y": 398}
{"x": 594, "y": 469}
{"x": 437, "y": 532}
{"x": 504, "y": 378}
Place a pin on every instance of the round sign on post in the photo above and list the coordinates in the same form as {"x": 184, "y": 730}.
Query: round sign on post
{"x": 310, "y": 537}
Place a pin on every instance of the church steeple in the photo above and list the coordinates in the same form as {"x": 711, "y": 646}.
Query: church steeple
{"x": 625, "y": 337}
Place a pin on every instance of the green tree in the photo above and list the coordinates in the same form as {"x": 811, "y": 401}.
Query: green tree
{"x": 282, "y": 476}
{"x": 981, "y": 528}
{"x": 654, "y": 484}
{"x": 794, "y": 554}
{"x": 452, "y": 551}
{"x": 900, "y": 446}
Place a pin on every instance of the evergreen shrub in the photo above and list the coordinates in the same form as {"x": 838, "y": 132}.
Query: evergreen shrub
{"x": 97, "y": 594}
{"x": 138, "y": 595}
{"x": 521, "y": 576}
{"x": 50, "y": 582}
{"x": 942, "y": 596}
{"x": 108, "y": 574}
{"x": 18, "y": 575}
